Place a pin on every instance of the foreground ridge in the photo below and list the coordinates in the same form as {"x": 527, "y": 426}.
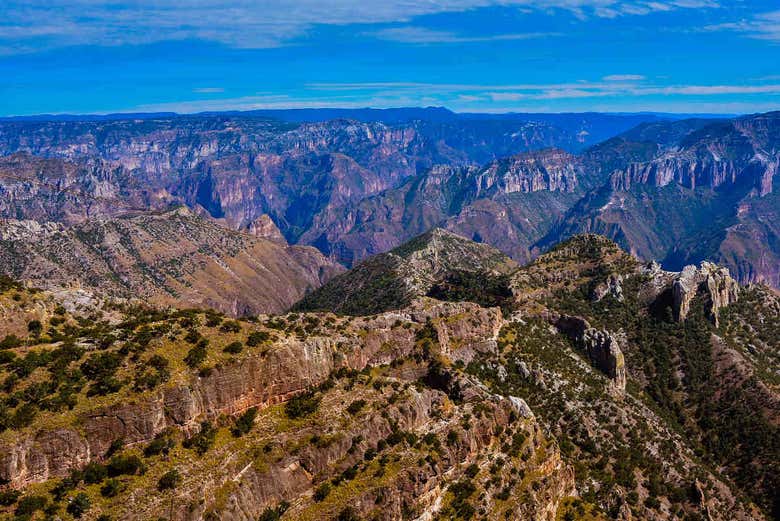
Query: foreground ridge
{"x": 573, "y": 386}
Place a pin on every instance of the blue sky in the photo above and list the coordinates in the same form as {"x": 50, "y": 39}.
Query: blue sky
{"x": 83, "y": 56}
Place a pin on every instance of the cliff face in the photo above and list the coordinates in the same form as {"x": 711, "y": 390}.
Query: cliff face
{"x": 240, "y": 168}
{"x": 504, "y": 203}
{"x": 720, "y": 289}
{"x": 173, "y": 257}
{"x": 463, "y": 425}
{"x": 705, "y": 192}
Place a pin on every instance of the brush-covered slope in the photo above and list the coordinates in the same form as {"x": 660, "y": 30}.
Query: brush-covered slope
{"x": 134, "y": 413}
{"x": 392, "y": 280}
{"x": 700, "y": 357}
{"x": 604, "y": 389}
{"x": 173, "y": 257}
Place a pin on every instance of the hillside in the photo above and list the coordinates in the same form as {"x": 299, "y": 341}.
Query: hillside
{"x": 392, "y": 280}
{"x": 173, "y": 257}
{"x": 590, "y": 397}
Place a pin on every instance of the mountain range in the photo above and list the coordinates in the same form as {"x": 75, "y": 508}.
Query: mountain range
{"x": 394, "y": 315}
{"x": 677, "y": 190}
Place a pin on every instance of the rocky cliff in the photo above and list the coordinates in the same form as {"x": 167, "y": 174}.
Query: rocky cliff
{"x": 677, "y": 191}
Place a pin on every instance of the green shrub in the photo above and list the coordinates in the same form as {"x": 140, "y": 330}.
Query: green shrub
{"x": 169, "y": 480}
{"x": 24, "y": 416}
{"x": 234, "y": 348}
{"x": 95, "y": 473}
{"x": 28, "y": 505}
{"x": 356, "y": 406}
{"x": 256, "y": 338}
{"x": 161, "y": 444}
{"x": 203, "y": 440}
{"x": 244, "y": 422}
{"x": 78, "y": 505}
{"x": 10, "y": 341}
{"x": 34, "y": 327}
{"x": 196, "y": 355}
{"x": 116, "y": 445}
{"x": 322, "y": 492}
{"x": 124, "y": 465}
{"x": 9, "y": 497}
{"x": 302, "y": 405}
{"x": 348, "y": 514}
{"x": 230, "y": 326}
{"x": 111, "y": 488}
{"x": 274, "y": 514}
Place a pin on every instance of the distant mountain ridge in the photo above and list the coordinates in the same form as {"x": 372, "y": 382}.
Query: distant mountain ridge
{"x": 173, "y": 257}
{"x": 676, "y": 190}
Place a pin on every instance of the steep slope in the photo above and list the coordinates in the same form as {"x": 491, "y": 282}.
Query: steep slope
{"x": 242, "y": 166}
{"x": 678, "y": 191}
{"x": 678, "y": 335}
{"x": 605, "y": 390}
{"x": 173, "y": 257}
{"x": 706, "y": 192}
{"x": 507, "y": 203}
{"x": 392, "y": 280}
{"x": 181, "y": 418}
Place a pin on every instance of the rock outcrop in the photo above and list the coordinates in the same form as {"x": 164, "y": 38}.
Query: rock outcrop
{"x": 262, "y": 380}
{"x": 610, "y": 287}
{"x": 391, "y": 280}
{"x": 601, "y": 346}
{"x": 711, "y": 281}
{"x": 265, "y": 228}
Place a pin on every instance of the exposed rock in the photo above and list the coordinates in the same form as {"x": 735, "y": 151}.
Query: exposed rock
{"x": 265, "y": 228}
{"x": 713, "y": 281}
{"x": 521, "y": 407}
{"x": 610, "y": 287}
{"x": 259, "y": 381}
{"x": 601, "y": 346}
{"x": 173, "y": 257}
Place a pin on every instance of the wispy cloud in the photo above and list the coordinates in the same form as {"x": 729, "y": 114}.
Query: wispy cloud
{"x": 623, "y": 77}
{"x": 765, "y": 26}
{"x": 208, "y": 90}
{"x": 625, "y": 85}
{"x": 418, "y": 35}
{"x": 37, "y": 24}
{"x": 490, "y": 97}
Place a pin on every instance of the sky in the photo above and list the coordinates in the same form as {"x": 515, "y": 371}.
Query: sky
{"x": 85, "y": 56}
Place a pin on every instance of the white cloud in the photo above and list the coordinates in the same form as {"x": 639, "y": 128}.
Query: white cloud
{"x": 412, "y": 34}
{"x": 765, "y": 26}
{"x": 253, "y": 23}
{"x": 623, "y": 77}
{"x": 627, "y": 86}
{"x": 208, "y": 90}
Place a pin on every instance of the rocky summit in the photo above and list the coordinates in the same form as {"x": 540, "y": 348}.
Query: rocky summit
{"x": 584, "y": 385}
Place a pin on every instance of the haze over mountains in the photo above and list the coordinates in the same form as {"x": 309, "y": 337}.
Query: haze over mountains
{"x": 680, "y": 191}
